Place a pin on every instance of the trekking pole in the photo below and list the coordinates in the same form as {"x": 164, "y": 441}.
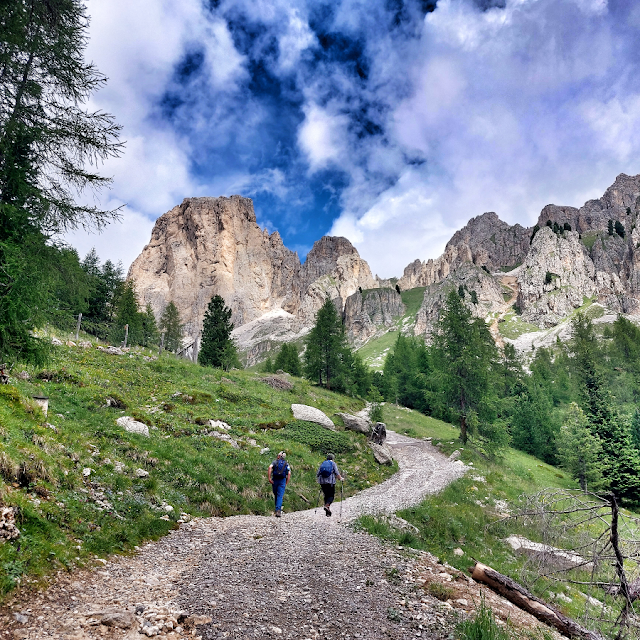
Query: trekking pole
{"x": 341, "y": 497}
{"x": 317, "y": 502}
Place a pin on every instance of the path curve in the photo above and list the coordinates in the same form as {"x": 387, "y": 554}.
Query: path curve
{"x": 301, "y": 576}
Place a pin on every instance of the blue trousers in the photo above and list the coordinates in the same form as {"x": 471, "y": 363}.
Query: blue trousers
{"x": 278, "y": 487}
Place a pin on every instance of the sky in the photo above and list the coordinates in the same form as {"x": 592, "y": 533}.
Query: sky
{"x": 389, "y": 122}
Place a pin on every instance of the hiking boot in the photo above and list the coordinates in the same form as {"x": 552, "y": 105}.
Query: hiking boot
{"x": 278, "y": 514}
{"x": 327, "y": 511}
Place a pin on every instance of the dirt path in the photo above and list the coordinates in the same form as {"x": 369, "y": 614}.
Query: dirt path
{"x": 302, "y": 576}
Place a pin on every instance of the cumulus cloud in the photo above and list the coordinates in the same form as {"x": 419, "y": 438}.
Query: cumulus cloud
{"x": 389, "y": 123}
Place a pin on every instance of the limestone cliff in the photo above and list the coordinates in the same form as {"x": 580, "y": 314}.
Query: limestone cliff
{"x": 208, "y": 246}
{"x": 371, "y": 313}
{"x": 485, "y": 241}
{"x": 488, "y": 298}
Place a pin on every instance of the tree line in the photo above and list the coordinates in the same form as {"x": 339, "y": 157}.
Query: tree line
{"x": 563, "y": 410}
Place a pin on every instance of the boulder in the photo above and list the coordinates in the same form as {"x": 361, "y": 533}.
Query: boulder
{"x": 381, "y": 454}
{"x": 354, "y": 423}
{"x": 311, "y": 414}
{"x": 378, "y": 433}
{"x": 133, "y": 426}
{"x": 276, "y": 382}
{"x": 119, "y": 619}
{"x": 547, "y": 554}
{"x": 8, "y": 529}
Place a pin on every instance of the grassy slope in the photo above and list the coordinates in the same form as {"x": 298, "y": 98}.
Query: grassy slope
{"x": 61, "y": 523}
{"x": 374, "y": 352}
{"x": 469, "y": 513}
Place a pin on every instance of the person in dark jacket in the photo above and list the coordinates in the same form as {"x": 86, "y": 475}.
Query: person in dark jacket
{"x": 327, "y": 475}
{"x": 279, "y": 474}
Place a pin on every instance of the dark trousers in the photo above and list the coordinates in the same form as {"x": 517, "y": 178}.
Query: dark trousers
{"x": 329, "y": 491}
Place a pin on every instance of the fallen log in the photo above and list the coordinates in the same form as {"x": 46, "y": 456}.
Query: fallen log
{"x": 522, "y": 598}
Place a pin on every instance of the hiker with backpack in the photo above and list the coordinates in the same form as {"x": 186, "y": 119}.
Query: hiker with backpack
{"x": 279, "y": 474}
{"x": 327, "y": 475}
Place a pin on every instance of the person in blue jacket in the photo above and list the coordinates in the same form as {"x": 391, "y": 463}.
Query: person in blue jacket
{"x": 326, "y": 476}
{"x": 279, "y": 475}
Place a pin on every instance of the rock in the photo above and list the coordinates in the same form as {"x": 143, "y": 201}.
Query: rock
{"x": 458, "y": 552}
{"x": 378, "y": 433}
{"x": 23, "y": 375}
{"x": 208, "y": 246}
{"x": 355, "y": 423}
{"x": 141, "y": 473}
{"x": 276, "y": 382}
{"x": 70, "y": 343}
{"x": 381, "y": 454}
{"x": 371, "y": 313}
{"x": 85, "y": 344}
{"x": 225, "y": 437}
{"x": 113, "y": 351}
{"x": 311, "y": 414}
{"x": 547, "y": 554}
{"x": 20, "y": 618}
{"x": 8, "y": 529}
{"x": 219, "y": 424}
{"x": 133, "y": 426}
{"x": 86, "y": 472}
{"x": 118, "y": 466}
{"x": 119, "y": 619}
{"x": 455, "y": 455}
{"x": 264, "y": 450}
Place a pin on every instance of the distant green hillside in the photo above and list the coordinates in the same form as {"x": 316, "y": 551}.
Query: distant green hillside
{"x": 375, "y": 351}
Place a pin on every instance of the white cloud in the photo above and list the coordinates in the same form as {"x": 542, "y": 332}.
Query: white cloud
{"x": 322, "y": 136}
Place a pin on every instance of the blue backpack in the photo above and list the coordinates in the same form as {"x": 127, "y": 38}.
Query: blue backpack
{"x": 279, "y": 469}
{"x": 326, "y": 469}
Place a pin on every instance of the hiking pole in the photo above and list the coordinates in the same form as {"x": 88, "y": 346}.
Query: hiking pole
{"x": 341, "y": 497}
{"x": 317, "y": 502}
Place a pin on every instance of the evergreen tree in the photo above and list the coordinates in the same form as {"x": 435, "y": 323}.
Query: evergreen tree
{"x": 48, "y": 145}
{"x": 267, "y": 365}
{"x": 150, "y": 334}
{"x": 288, "y": 360}
{"x": 325, "y": 346}
{"x": 619, "y": 458}
{"x": 579, "y": 452}
{"x": 635, "y": 429}
{"x": 171, "y": 326}
{"x": 217, "y": 348}
{"x": 127, "y": 314}
{"x": 466, "y": 356}
{"x": 619, "y": 227}
{"x": 610, "y": 227}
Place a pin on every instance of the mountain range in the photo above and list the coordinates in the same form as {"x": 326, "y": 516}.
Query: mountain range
{"x": 526, "y": 282}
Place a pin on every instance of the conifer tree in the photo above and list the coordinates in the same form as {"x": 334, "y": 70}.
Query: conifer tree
{"x": 217, "y": 349}
{"x": 326, "y": 342}
{"x": 619, "y": 458}
{"x": 49, "y": 144}
{"x": 150, "y": 334}
{"x": 579, "y": 451}
{"x": 127, "y": 314}
{"x": 171, "y": 326}
{"x": 288, "y": 360}
{"x": 466, "y": 356}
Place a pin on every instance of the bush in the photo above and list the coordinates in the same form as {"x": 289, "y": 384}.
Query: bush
{"x": 317, "y": 437}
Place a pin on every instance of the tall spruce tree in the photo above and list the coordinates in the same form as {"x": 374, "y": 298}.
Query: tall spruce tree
{"x": 619, "y": 458}
{"x": 288, "y": 360}
{"x": 171, "y": 326}
{"x": 217, "y": 349}
{"x": 465, "y": 356}
{"x": 49, "y": 144}
{"x": 128, "y": 314}
{"x": 150, "y": 334}
{"x": 325, "y": 345}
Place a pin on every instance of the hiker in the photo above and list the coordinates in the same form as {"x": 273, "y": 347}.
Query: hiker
{"x": 327, "y": 474}
{"x": 279, "y": 475}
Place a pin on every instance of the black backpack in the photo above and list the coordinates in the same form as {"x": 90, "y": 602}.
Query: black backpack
{"x": 279, "y": 469}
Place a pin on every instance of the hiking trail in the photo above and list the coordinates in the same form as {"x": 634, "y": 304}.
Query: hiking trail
{"x": 303, "y": 576}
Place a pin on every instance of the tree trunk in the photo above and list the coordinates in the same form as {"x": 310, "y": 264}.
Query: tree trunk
{"x": 463, "y": 429}
{"x": 517, "y": 594}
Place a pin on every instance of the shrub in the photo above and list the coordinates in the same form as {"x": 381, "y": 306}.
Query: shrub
{"x": 482, "y": 627}
{"x": 317, "y": 437}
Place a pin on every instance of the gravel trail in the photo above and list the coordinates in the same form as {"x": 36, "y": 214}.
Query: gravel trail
{"x": 301, "y": 576}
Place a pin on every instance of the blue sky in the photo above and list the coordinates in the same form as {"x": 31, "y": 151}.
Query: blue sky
{"x": 390, "y": 122}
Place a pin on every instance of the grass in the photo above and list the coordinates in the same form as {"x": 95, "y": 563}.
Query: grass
{"x": 513, "y": 326}
{"x": 66, "y": 518}
{"x": 375, "y": 351}
{"x": 589, "y": 239}
{"x": 472, "y": 512}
